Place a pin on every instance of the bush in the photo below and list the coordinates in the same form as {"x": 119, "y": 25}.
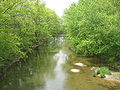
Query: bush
{"x": 102, "y": 72}
{"x": 102, "y": 75}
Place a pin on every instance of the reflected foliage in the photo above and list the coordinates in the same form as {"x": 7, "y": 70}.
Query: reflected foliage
{"x": 32, "y": 74}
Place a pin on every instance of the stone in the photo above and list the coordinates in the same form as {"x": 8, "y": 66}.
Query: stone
{"x": 80, "y": 64}
{"x": 112, "y": 78}
{"x": 75, "y": 70}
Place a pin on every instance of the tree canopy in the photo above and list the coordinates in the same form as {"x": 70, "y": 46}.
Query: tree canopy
{"x": 93, "y": 28}
{"x": 23, "y": 24}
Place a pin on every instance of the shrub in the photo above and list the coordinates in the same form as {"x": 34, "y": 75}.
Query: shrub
{"x": 102, "y": 75}
{"x": 102, "y": 72}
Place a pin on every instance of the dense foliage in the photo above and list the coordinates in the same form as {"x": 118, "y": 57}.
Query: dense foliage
{"x": 93, "y": 28}
{"x": 24, "y": 24}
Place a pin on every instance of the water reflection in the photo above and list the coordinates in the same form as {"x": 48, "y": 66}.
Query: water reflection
{"x": 42, "y": 71}
{"x": 57, "y": 83}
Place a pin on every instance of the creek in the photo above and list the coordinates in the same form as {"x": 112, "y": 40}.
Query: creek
{"x": 51, "y": 71}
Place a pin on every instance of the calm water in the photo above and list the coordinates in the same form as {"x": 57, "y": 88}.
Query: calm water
{"x": 49, "y": 71}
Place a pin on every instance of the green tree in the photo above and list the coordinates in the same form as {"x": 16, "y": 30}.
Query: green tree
{"x": 23, "y": 24}
{"x": 93, "y": 28}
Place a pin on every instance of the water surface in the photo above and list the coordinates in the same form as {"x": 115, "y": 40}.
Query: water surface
{"x": 49, "y": 71}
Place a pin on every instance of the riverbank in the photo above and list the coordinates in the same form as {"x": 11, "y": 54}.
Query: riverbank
{"x": 96, "y": 63}
{"x": 115, "y": 76}
{"x": 84, "y": 77}
{"x": 90, "y": 63}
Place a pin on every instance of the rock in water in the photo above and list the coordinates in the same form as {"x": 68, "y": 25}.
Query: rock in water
{"x": 80, "y": 64}
{"x": 75, "y": 70}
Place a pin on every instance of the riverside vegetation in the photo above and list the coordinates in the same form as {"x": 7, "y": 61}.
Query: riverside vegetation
{"x": 93, "y": 29}
{"x": 102, "y": 72}
{"x": 91, "y": 26}
{"x": 23, "y": 25}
